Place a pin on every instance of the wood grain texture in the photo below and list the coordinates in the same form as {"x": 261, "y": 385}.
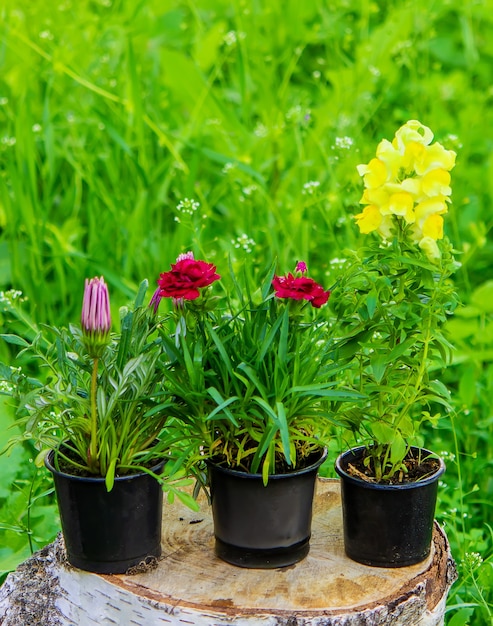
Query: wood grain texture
{"x": 191, "y": 586}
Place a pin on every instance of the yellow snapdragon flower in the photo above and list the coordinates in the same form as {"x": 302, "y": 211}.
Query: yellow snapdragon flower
{"x": 408, "y": 180}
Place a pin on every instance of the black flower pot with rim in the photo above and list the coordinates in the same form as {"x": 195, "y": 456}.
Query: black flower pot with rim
{"x": 387, "y": 525}
{"x": 263, "y": 526}
{"x": 109, "y": 532}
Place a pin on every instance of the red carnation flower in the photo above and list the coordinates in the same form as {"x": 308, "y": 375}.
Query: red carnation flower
{"x": 186, "y": 277}
{"x": 300, "y": 288}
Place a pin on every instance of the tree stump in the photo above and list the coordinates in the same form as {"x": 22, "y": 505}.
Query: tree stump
{"x": 190, "y": 585}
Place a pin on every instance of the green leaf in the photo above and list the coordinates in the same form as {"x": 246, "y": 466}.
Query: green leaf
{"x": 382, "y": 432}
{"x": 140, "y": 297}
{"x": 187, "y": 500}
{"x": 371, "y": 304}
{"x": 15, "y": 340}
{"x": 461, "y": 617}
{"x": 284, "y": 430}
{"x": 110, "y": 475}
{"x": 378, "y": 366}
{"x": 222, "y": 406}
{"x": 266, "y": 344}
{"x": 398, "y": 449}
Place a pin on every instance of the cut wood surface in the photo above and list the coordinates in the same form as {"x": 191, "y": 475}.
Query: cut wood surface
{"x": 190, "y": 585}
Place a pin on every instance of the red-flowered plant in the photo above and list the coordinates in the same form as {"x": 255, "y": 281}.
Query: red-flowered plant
{"x": 250, "y": 374}
{"x": 186, "y": 278}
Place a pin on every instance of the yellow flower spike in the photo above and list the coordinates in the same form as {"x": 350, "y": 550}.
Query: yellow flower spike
{"x": 413, "y": 131}
{"x": 413, "y": 152}
{"x": 414, "y": 187}
{"x": 369, "y": 219}
{"x": 379, "y": 197}
{"x": 385, "y": 230}
{"x": 402, "y": 204}
{"x": 392, "y": 158}
{"x": 430, "y": 248}
{"x": 436, "y": 183}
{"x": 433, "y": 227}
{"x": 374, "y": 174}
{"x": 430, "y": 206}
{"x": 435, "y": 157}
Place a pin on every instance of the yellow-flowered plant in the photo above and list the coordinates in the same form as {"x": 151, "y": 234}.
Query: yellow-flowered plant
{"x": 394, "y": 296}
{"x": 409, "y": 182}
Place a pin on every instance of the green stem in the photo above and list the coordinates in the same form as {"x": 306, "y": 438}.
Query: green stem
{"x": 93, "y": 447}
{"x": 424, "y": 359}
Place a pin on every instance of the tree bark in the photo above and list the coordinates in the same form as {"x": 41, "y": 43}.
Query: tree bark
{"x": 189, "y": 585}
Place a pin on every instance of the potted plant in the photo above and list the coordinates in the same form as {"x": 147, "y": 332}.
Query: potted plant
{"x": 251, "y": 376}
{"x": 393, "y": 301}
{"x": 90, "y": 416}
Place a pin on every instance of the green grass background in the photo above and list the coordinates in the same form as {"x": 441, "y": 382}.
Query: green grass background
{"x": 114, "y": 111}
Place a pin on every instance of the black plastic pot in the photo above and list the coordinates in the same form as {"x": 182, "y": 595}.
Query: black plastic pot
{"x": 109, "y": 532}
{"x": 261, "y": 526}
{"x": 387, "y": 525}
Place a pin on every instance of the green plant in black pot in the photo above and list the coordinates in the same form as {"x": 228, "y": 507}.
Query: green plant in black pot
{"x": 394, "y": 298}
{"x": 90, "y": 414}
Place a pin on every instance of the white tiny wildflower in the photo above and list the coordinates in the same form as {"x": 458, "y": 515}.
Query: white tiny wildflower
{"x": 245, "y": 242}
{"x": 343, "y": 143}
{"x": 36, "y": 128}
{"x": 316, "y": 74}
{"x": 230, "y": 38}
{"x": 9, "y": 141}
{"x": 374, "y": 70}
{"x": 472, "y": 560}
{"x": 337, "y": 261}
{"x": 260, "y": 130}
{"x": 228, "y": 167}
{"x": 9, "y": 298}
{"x": 46, "y": 34}
{"x": 187, "y": 206}
{"x": 310, "y": 187}
{"x": 249, "y": 189}
{"x": 3, "y": 101}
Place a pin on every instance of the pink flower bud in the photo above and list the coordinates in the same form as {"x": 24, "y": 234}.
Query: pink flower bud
{"x": 301, "y": 267}
{"x": 155, "y": 300}
{"x": 96, "y": 316}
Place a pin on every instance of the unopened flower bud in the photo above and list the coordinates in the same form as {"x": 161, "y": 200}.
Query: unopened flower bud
{"x": 301, "y": 267}
{"x": 96, "y": 317}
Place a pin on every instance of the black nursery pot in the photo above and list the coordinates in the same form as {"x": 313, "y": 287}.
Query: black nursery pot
{"x": 109, "y": 532}
{"x": 387, "y": 525}
{"x": 259, "y": 526}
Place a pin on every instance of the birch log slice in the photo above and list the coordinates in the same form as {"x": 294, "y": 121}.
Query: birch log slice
{"x": 190, "y": 585}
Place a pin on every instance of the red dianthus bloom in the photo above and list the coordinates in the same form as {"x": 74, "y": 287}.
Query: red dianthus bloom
{"x": 300, "y": 288}
{"x": 185, "y": 279}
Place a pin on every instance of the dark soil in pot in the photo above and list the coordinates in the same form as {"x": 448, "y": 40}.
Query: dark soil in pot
{"x": 263, "y": 526}
{"x": 109, "y": 532}
{"x": 387, "y": 525}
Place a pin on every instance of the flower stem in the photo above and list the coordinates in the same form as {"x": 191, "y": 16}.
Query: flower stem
{"x": 93, "y": 447}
